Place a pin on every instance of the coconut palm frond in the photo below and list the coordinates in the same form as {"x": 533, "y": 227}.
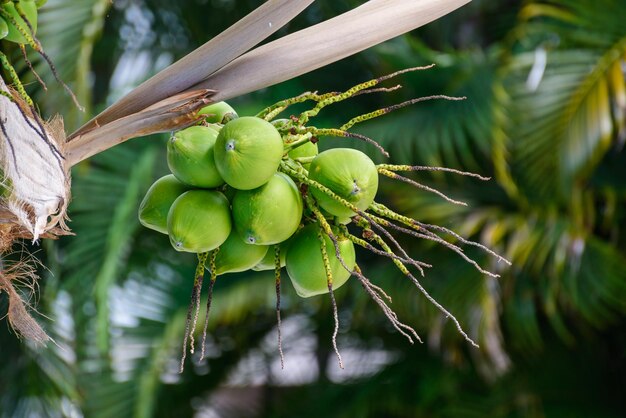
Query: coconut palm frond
{"x": 565, "y": 95}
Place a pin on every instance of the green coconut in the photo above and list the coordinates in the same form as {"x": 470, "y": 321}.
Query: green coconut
{"x": 235, "y": 255}
{"x": 268, "y": 262}
{"x": 306, "y": 150}
{"x": 268, "y": 214}
{"x": 229, "y": 192}
{"x": 29, "y": 7}
{"x": 219, "y": 112}
{"x": 305, "y": 265}
{"x": 190, "y": 157}
{"x": 156, "y": 203}
{"x": 350, "y": 174}
{"x": 215, "y": 126}
{"x": 199, "y": 221}
{"x": 248, "y": 152}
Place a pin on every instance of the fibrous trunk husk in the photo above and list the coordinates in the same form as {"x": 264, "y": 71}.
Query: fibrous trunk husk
{"x": 35, "y": 177}
{"x": 21, "y": 273}
{"x": 35, "y": 192}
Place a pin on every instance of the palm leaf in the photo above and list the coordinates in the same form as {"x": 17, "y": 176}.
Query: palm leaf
{"x": 564, "y": 118}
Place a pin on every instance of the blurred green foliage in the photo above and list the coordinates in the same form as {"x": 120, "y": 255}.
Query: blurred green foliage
{"x": 544, "y": 116}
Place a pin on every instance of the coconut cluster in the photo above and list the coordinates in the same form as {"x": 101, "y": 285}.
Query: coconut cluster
{"x": 229, "y": 192}
{"x": 255, "y": 193}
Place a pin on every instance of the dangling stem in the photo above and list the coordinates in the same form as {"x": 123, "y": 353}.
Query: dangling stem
{"x": 197, "y": 285}
{"x": 385, "y": 211}
{"x": 362, "y": 243}
{"x": 32, "y": 69}
{"x": 406, "y": 272}
{"x": 55, "y": 73}
{"x": 463, "y": 240}
{"x": 277, "y": 268}
{"x": 378, "y": 289}
{"x": 305, "y": 116}
{"x": 384, "y": 111}
{"x": 195, "y": 300}
{"x": 379, "y": 90}
{"x": 369, "y": 234}
{"x": 213, "y": 269}
{"x": 374, "y": 291}
{"x": 413, "y": 183}
{"x": 432, "y": 300}
{"x": 329, "y": 281}
{"x": 393, "y": 167}
{"x": 338, "y": 133}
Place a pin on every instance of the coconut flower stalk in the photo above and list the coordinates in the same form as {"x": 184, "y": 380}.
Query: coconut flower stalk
{"x": 36, "y": 156}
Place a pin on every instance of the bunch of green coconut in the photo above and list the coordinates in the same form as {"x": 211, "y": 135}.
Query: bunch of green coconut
{"x": 228, "y": 194}
{"x": 254, "y": 193}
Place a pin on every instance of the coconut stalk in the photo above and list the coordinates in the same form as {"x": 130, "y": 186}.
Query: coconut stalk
{"x": 36, "y": 157}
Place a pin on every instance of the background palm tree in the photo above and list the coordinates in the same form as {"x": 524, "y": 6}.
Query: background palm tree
{"x": 544, "y": 116}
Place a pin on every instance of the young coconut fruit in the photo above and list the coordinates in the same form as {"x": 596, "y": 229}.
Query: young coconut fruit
{"x": 248, "y": 152}
{"x": 306, "y": 150}
{"x": 220, "y": 112}
{"x": 199, "y": 221}
{"x": 235, "y": 255}
{"x": 268, "y": 214}
{"x": 215, "y": 126}
{"x": 29, "y": 7}
{"x": 190, "y": 157}
{"x": 156, "y": 203}
{"x": 305, "y": 265}
{"x": 350, "y": 174}
{"x": 268, "y": 262}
